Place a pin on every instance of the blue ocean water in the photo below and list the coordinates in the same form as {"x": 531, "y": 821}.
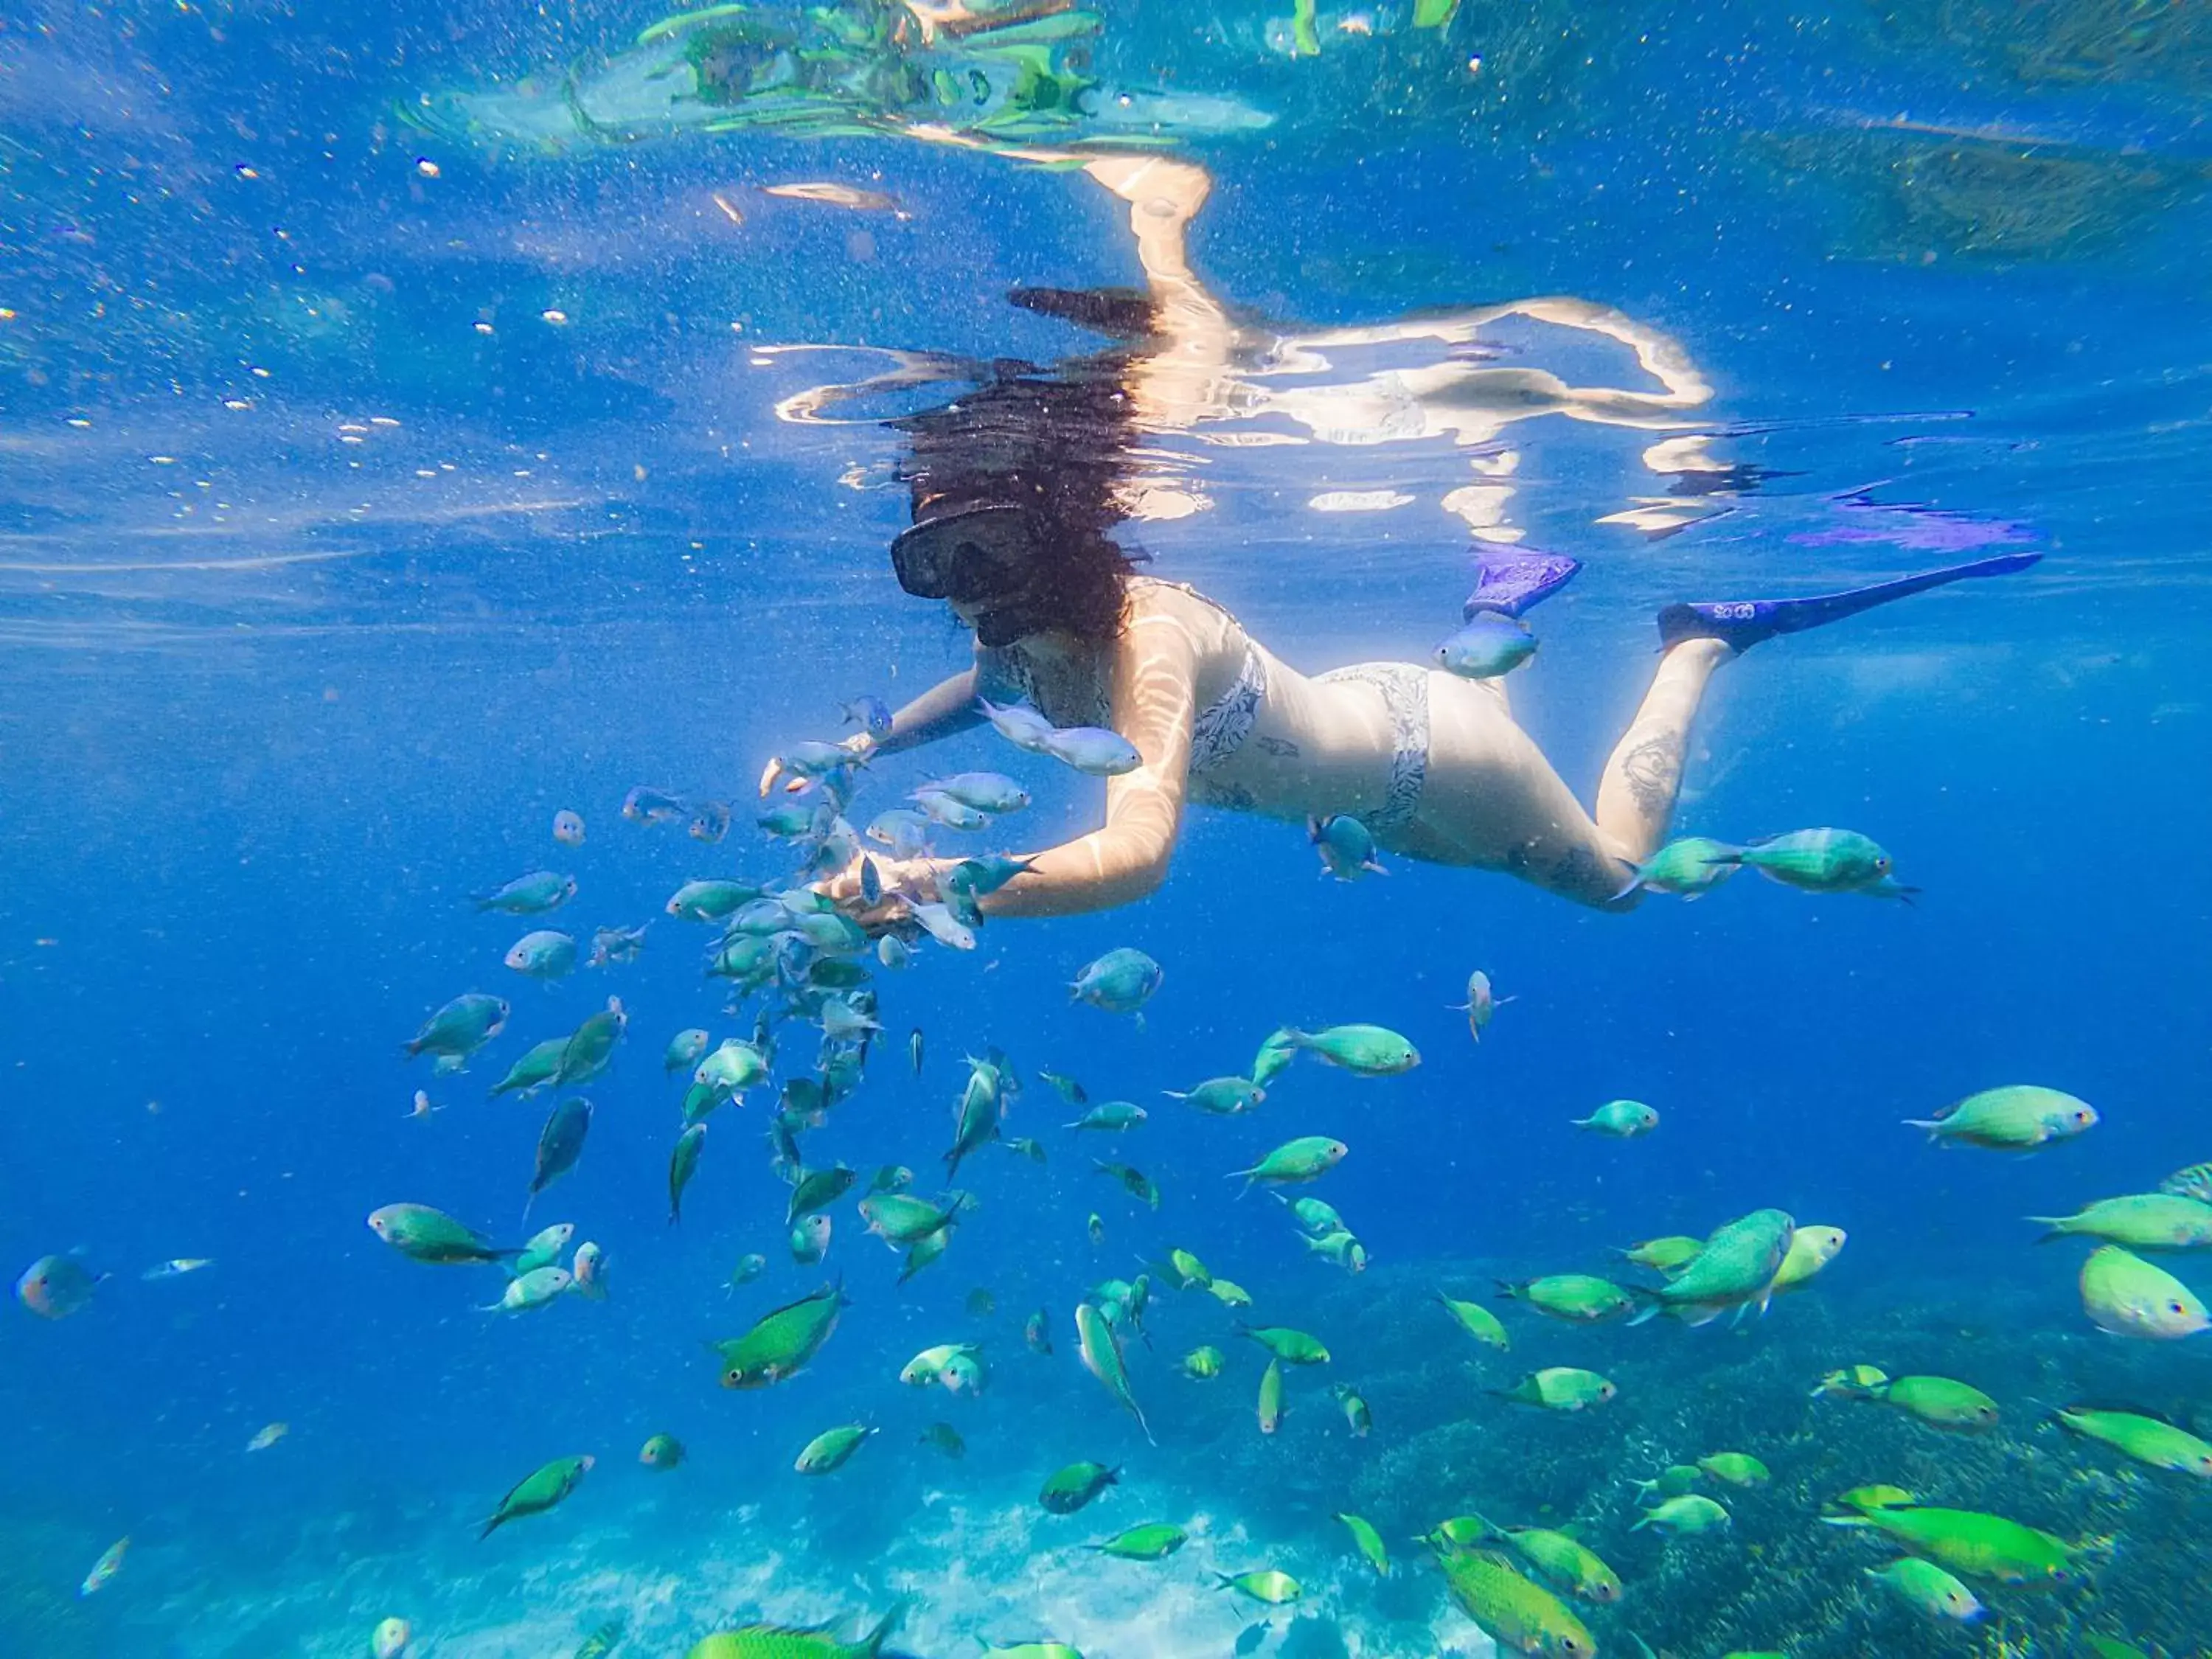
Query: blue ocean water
{"x": 400, "y": 447}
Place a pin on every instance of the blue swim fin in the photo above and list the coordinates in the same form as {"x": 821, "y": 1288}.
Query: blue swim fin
{"x": 1742, "y": 624}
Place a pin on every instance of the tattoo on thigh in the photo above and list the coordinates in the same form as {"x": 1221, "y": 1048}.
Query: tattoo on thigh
{"x": 1654, "y": 770}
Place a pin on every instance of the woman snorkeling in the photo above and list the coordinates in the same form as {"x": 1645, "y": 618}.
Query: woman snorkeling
{"x": 1013, "y": 491}
{"x": 1015, "y": 487}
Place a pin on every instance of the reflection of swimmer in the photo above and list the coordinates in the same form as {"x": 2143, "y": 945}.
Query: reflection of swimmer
{"x": 1196, "y": 370}
{"x": 1014, "y": 489}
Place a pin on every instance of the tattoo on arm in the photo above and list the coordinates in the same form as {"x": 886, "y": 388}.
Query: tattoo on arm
{"x": 1654, "y": 771}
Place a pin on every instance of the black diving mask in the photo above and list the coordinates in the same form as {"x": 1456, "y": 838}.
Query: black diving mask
{"x": 974, "y": 554}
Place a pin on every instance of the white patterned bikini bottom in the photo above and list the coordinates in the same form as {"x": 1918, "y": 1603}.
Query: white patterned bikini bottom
{"x": 1223, "y": 727}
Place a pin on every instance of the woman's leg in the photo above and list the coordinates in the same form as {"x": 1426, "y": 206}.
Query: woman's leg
{"x": 1636, "y": 797}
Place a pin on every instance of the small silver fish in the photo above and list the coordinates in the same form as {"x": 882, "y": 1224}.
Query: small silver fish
{"x": 176, "y": 1268}
{"x": 644, "y": 806}
{"x": 710, "y": 821}
{"x": 1094, "y": 750}
{"x": 872, "y": 715}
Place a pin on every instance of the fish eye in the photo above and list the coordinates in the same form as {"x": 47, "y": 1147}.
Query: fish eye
{"x": 2173, "y": 1307}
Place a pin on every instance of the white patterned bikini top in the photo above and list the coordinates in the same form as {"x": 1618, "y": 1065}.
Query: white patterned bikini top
{"x": 1007, "y": 672}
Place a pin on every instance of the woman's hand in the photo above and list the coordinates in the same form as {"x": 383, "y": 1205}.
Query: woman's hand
{"x": 903, "y": 882}
{"x": 801, "y": 769}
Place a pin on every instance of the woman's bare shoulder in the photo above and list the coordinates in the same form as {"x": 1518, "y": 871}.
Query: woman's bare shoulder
{"x": 1151, "y": 598}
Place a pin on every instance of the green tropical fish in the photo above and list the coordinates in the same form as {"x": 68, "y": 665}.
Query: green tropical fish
{"x": 2147, "y": 1439}
{"x": 1202, "y": 1363}
{"x": 1275, "y": 1055}
{"x": 1477, "y": 1321}
{"x": 2017, "y": 1117}
{"x": 1368, "y": 1541}
{"x": 1822, "y": 861}
{"x": 534, "y": 1070}
{"x": 1222, "y": 1096}
{"x": 1516, "y": 1612}
{"x": 1620, "y": 1119}
{"x": 1560, "y": 1388}
{"x": 793, "y": 1642}
{"x": 1927, "y": 1589}
{"x": 1672, "y": 1482}
{"x": 1154, "y": 1541}
{"x": 1292, "y": 1347}
{"x": 1109, "y": 1117}
{"x": 1306, "y": 1158}
{"x": 1735, "y": 1270}
{"x": 2129, "y": 1297}
{"x": 1363, "y": 1050}
{"x": 538, "y": 1491}
{"x": 817, "y": 1189}
{"x": 1563, "y": 1561}
{"x": 1691, "y": 866}
{"x": 682, "y": 1165}
{"x": 1576, "y": 1298}
{"x": 459, "y": 1029}
{"x": 828, "y": 1451}
{"x": 1135, "y": 1181}
{"x": 1069, "y": 1489}
{"x": 1275, "y": 1589}
{"x": 1356, "y": 1416}
{"x": 423, "y": 1234}
{"x": 781, "y": 1343}
{"x": 2141, "y": 1221}
{"x": 592, "y": 1045}
{"x": 1667, "y": 1255}
{"x": 1968, "y": 1543}
{"x": 1684, "y": 1516}
{"x": 1101, "y": 1356}
{"x": 1736, "y": 1468}
{"x": 1939, "y": 1402}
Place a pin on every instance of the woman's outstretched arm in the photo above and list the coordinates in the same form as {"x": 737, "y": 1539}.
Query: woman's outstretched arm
{"x": 1155, "y": 701}
{"x": 947, "y": 708}
{"x": 1154, "y": 704}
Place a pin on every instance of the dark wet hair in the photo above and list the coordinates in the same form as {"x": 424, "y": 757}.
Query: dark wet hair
{"x": 1054, "y": 442}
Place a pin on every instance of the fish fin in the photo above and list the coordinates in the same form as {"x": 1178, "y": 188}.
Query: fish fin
{"x": 1635, "y": 886}
{"x": 1649, "y": 1311}
{"x": 1845, "y": 1520}
{"x": 873, "y": 1642}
